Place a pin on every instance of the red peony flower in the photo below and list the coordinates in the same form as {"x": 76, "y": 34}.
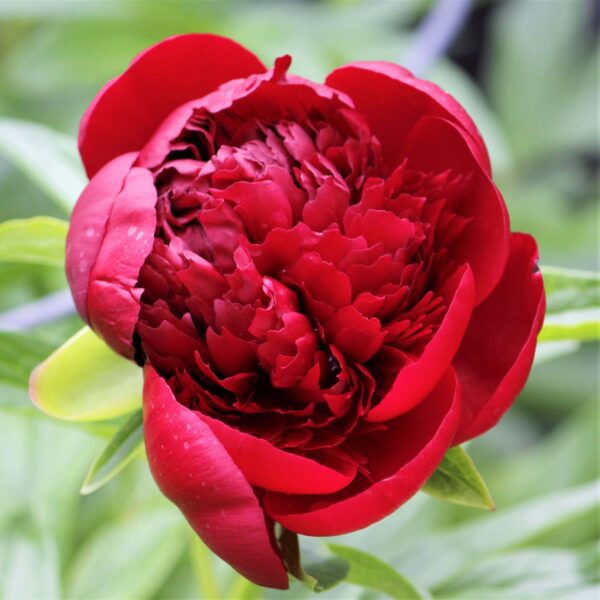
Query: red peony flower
{"x": 319, "y": 279}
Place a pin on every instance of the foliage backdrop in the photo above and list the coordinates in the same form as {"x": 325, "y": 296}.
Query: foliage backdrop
{"x": 527, "y": 70}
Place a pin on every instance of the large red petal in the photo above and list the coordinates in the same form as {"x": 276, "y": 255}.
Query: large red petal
{"x": 194, "y": 471}
{"x": 497, "y": 351}
{"x": 127, "y": 110}
{"x": 392, "y": 99}
{"x": 416, "y": 380}
{"x": 402, "y": 458}
{"x": 112, "y": 297}
{"x": 436, "y": 145}
{"x": 88, "y": 226}
{"x": 278, "y": 470}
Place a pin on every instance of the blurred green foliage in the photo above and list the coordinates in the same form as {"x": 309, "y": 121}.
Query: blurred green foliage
{"x": 533, "y": 90}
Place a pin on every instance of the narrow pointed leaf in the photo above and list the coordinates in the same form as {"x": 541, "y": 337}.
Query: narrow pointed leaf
{"x": 370, "y": 572}
{"x": 47, "y": 157}
{"x": 457, "y": 480}
{"x": 38, "y": 241}
{"x": 117, "y": 454}
{"x": 84, "y": 380}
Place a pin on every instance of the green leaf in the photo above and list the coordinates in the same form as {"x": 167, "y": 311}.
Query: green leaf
{"x": 19, "y": 354}
{"x": 568, "y": 289}
{"x": 129, "y": 558}
{"x": 84, "y": 380}
{"x": 316, "y": 573}
{"x": 457, "y": 480}
{"x": 370, "y": 572}
{"x": 118, "y": 453}
{"x": 47, "y": 157}
{"x": 547, "y": 351}
{"x": 578, "y": 325}
{"x": 38, "y": 241}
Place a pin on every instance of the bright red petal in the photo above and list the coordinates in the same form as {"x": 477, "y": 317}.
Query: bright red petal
{"x": 127, "y": 110}
{"x": 127, "y": 239}
{"x": 194, "y": 471}
{"x": 271, "y": 468}
{"x": 417, "y": 380}
{"x": 399, "y": 469}
{"x": 88, "y": 224}
{"x": 436, "y": 145}
{"x": 392, "y": 99}
{"x": 497, "y": 351}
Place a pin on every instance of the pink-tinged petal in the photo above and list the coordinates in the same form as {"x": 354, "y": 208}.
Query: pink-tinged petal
{"x": 274, "y": 469}
{"x": 437, "y": 145}
{"x": 113, "y": 298}
{"x": 393, "y": 100}
{"x": 193, "y": 469}
{"x": 88, "y": 226}
{"x": 497, "y": 351}
{"x": 399, "y": 470}
{"x": 127, "y": 110}
{"x": 417, "y": 379}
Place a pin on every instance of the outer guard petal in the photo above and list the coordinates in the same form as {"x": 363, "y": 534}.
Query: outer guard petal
{"x": 127, "y": 110}
{"x": 88, "y": 226}
{"x": 112, "y": 298}
{"x": 194, "y": 470}
{"x": 392, "y": 99}
{"x": 437, "y": 145}
{"x": 400, "y": 469}
{"x": 274, "y": 469}
{"x": 498, "y": 348}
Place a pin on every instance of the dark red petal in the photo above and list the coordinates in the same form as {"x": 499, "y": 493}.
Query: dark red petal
{"x": 425, "y": 433}
{"x": 127, "y": 110}
{"x": 497, "y": 351}
{"x": 416, "y": 380}
{"x": 194, "y": 471}
{"x": 392, "y": 99}
{"x": 88, "y": 225}
{"x": 437, "y": 145}
{"x": 113, "y": 299}
{"x": 269, "y": 467}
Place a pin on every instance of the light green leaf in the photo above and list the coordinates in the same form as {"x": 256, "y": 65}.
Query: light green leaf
{"x": 457, "y": 480}
{"x": 117, "y": 454}
{"x": 19, "y": 354}
{"x": 84, "y": 380}
{"x": 569, "y": 289}
{"x": 38, "y": 241}
{"x": 129, "y": 558}
{"x": 47, "y": 157}
{"x": 371, "y": 572}
{"x": 578, "y": 325}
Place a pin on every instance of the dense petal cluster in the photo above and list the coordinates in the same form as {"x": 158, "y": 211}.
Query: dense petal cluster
{"x": 319, "y": 280}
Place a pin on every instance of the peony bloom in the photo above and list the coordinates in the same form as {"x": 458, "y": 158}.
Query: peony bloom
{"x": 319, "y": 280}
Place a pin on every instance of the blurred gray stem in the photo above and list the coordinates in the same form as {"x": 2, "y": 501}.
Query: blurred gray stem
{"x": 44, "y": 310}
{"x": 435, "y": 34}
